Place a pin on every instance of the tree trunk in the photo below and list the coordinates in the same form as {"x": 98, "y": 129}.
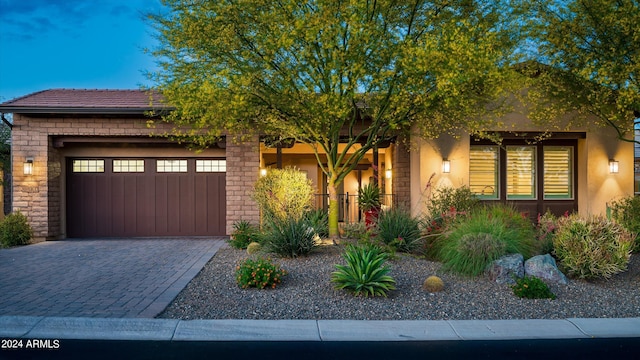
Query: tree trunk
{"x": 333, "y": 209}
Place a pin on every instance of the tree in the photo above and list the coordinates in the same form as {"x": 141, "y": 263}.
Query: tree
{"x": 589, "y": 59}
{"x": 329, "y": 72}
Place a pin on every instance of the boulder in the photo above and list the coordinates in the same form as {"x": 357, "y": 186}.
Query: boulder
{"x": 544, "y": 267}
{"x": 505, "y": 268}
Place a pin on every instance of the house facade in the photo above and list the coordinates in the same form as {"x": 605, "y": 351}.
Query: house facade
{"x": 86, "y": 164}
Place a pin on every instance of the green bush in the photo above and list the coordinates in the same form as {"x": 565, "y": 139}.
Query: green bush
{"x": 260, "y": 273}
{"x": 498, "y": 229}
{"x": 319, "y": 221}
{"x": 357, "y": 231}
{"x": 448, "y": 199}
{"x": 531, "y": 287}
{"x": 15, "y": 230}
{"x": 243, "y": 234}
{"x": 592, "y": 247}
{"x": 398, "y": 229}
{"x": 290, "y": 238}
{"x": 626, "y": 212}
{"x": 545, "y": 231}
{"x": 283, "y": 194}
{"x": 365, "y": 272}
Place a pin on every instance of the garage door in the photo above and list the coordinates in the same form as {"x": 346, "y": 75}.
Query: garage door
{"x": 119, "y": 197}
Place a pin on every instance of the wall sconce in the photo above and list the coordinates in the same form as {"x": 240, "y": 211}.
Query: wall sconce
{"x": 263, "y": 172}
{"x": 613, "y": 166}
{"x": 446, "y": 166}
{"x": 388, "y": 173}
{"x": 28, "y": 166}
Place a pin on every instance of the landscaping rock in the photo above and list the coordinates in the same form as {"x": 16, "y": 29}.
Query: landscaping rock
{"x": 505, "y": 268}
{"x": 545, "y": 268}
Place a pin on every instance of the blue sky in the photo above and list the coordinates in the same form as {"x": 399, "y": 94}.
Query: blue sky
{"x": 84, "y": 44}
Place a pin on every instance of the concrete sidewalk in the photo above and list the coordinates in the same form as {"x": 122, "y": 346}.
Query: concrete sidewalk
{"x": 26, "y": 327}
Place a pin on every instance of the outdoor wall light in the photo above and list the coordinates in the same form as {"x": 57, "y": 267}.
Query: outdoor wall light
{"x": 613, "y": 166}
{"x": 446, "y": 166}
{"x": 263, "y": 172}
{"x": 28, "y": 166}
{"x": 388, "y": 173}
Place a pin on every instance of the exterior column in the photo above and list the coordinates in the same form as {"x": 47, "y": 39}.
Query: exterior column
{"x": 243, "y": 167}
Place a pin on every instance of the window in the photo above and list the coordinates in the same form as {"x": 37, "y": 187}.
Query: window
{"x": 483, "y": 172}
{"x": 88, "y": 166}
{"x": 521, "y": 172}
{"x": 165, "y": 166}
{"x": 211, "y": 165}
{"x": 558, "y": 172}
{"x": 128, "y": 166}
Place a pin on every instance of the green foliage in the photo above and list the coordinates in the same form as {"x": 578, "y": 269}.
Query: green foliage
{"x": 447, "y": 200}
{"x": 243, "y": 234}
{"x": 260, "y": 273}
{"x": 398, "y": 229}
{"x": 253, "y": 248}
{"x": 486, "y": 234}
{"x": 357, "y": 231}
{"x": 433, "y": 284}
{"x": 15, "y": 230}
{"x": 369, "y": 197}
{"x": 312, "y": 71}
{"x": 290, "y": 238}
{"x": 319, "y": 221}
{"x": 587, "y": 47}
{"x": 283, "y": 194}
{"x": 626, "y": 212}
{"x": 545, "y": 231}
{"x": 531, "y": 287}
{"x": 592, "y": 247}
{"x": 365, "y": 272}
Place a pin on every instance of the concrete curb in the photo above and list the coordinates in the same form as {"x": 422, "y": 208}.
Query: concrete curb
{"x": 29, "y": 327}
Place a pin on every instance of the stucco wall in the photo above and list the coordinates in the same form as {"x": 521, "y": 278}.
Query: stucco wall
{"x": 596, "y": 186}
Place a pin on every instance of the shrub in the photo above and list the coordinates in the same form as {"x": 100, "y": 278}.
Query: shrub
{"x": 365, "y": 273}
{"x": 398, "y": 229}
{"x": 283, "y": 194}
{"x": 447, "y": 199}
{"x": 15, "y": 230}
{"x": 243, "y": 234}
{"x": 290, "y": 238}
{"x": 486, "y": 234}
{"x": 319, "y": 221}
{"x": 253, "y": 248}
{"x": 592, "y": 247}
{"x": 260, "y": 273}
{"x": 433, "y": 284}
{"x": 626, "y": 212}
{"x": 531, "y": 287}
{"x": 545, "y": 231}
{"x": 357, "y": 231}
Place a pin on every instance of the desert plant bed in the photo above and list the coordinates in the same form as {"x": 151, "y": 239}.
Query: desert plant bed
{"x": 306, "y": 292}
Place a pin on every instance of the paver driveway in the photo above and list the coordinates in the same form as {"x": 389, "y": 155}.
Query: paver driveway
{"x": 99, "y": 278}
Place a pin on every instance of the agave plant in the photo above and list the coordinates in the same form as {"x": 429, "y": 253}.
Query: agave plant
{"x": 365, "y": 273}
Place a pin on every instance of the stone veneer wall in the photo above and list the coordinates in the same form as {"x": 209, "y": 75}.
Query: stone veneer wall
{"x": 402, "y": 174}
{"x": 39, "y": 196}
{"x": 243, "y": 166}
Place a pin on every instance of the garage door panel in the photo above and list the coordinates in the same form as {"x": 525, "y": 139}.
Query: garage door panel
{"x": 145, "y": 204}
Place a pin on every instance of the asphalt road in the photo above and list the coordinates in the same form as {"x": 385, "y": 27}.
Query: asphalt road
{"x": 565, "y": 349}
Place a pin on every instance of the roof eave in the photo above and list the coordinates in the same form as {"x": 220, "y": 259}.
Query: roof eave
{"x": 81, "y": 110}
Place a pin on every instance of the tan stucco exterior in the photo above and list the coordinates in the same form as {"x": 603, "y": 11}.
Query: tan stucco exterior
{"x": 596, "y": 186}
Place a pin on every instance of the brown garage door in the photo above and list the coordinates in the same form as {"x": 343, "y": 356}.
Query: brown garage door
{"x": 109, "y": 197}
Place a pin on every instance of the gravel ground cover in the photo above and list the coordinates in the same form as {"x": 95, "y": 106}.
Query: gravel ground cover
{"x": 307, "y": 293}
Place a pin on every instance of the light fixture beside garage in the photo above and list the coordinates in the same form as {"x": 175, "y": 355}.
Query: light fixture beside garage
{"x": 613, "y": 166}
{"x": 28, "y": 166}
{"x": 263, "y": 172}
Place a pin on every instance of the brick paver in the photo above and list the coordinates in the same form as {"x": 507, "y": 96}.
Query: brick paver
{"x": 99, "y": 278}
